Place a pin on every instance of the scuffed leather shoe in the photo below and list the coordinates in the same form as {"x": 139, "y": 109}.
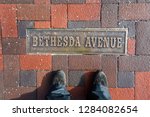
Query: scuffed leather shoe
{"x": 99, "y": 90}
{"x": 58, "y": 89}
{"x": 59, "y": 78}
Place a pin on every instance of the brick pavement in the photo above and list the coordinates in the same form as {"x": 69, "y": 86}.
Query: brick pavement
{"x": 24, "y": 76}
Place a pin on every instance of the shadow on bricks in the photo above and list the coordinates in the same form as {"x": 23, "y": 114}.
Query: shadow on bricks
{"x": 40, "y": 92}
{"x": 78, "y": 92}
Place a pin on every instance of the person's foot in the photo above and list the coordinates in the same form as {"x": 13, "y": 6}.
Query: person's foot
{"x": 58, "y": 89}
{"x": 59, "y": 78}
{"x": 100, "y": 78}
{"x": 99, "y": 89}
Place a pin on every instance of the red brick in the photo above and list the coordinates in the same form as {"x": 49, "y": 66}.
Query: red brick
{"x": 33, "y": 12}
{"x": 59, "y": 16}
{"x": 84, "y": 62}
{"x": 109, "y": 66}
{"x": 84, "y": 12}
{"x": 68, "y": 1}
{"x": 122, "y": 93}
{"x": 42, "y": 1}
{"x": 9, "y": 27}
{"x": 43, "y": 84}
{"x": 42, "y": 24}
{"x": 77, "y": 93}
{"x": 20, "y": 93}
{"x": 0, "y": 39}
{"x": 93, "y": 1}
{"x": 1, "y": 62}
{"x": 134, "y": 11}
{"x": 16, "y": 1}
{"x": 131, "y": 46}
{"x": 35, "y": 62}
{"x": 142, "y": 86}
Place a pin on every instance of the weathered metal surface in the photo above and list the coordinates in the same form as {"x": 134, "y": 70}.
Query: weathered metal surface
{"x": 77, "y": 41}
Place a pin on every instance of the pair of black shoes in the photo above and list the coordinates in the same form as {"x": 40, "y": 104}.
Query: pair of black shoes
{"x": 99, "y": 89}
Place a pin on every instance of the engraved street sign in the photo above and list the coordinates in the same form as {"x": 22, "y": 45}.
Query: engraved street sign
{"x": 77, "y": 41}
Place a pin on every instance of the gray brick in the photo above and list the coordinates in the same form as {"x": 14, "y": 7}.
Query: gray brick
{"x": 84, "y": 62}
{"x": 134, "y": 63}
{"x": 130, "y": 25}
{"x": 1, "y": 75}
{"x": 118, "y": 1}
{"x": 22, "y": 26}
{"x": 143, "y": 1}
{"x": 76, "y": 78}
{"x": 60, "y": 62}
{"x": 67, "y": 1}
{"x": 84, "y": 24}
{"x": 143, "y": 38}
{"x": 13, "y": 46}
{"x": 109, "y": 15}
{"x": 11, "y": 78}
{"x": 20, "y": 93}
{"x": 11, "y": 62}
{"x": 125, "y": 79}
{"x": 28, "y": 78}
{"x": 16, "y": 1}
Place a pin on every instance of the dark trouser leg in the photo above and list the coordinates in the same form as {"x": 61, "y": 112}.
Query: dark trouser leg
{"x": 99, "y": 93}
{"x": 58, "y": 93}
{"x": 99, "y": 89}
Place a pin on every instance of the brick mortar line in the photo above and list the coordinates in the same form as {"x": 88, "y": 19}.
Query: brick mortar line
{"x": 68, "y": 70}
{"x": 135, "y": 20}
{"x": 17, "y": 21}
{"x": 50, "y": 19}
{"x": 115, "y": 3}
{"x": 101, "y": 5}
{"x": 81, "y": 3}
{"x": 117, "y": 72}
{"x": 67, "y": 15}
{"x": 134, "y": 84}
{"x": 19, "y": 80}
{"x": 118, "y": 15}
{"x": 135, "y": 37}
{"x": 82, "y": 20}
{"x": 101, "y": 17}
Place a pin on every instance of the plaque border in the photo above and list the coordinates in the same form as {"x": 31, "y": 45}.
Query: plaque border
{"x": 76, "y": 29}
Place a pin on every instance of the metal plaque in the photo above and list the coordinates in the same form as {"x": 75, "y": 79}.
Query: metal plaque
{"x": 77, "y": 41}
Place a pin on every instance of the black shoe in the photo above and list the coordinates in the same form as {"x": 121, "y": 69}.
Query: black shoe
{"x": 59, "y": 78}
{"x": 58, "y": 89}
{"x": 99, "y": 90}
{"x": 100, "y": 78}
